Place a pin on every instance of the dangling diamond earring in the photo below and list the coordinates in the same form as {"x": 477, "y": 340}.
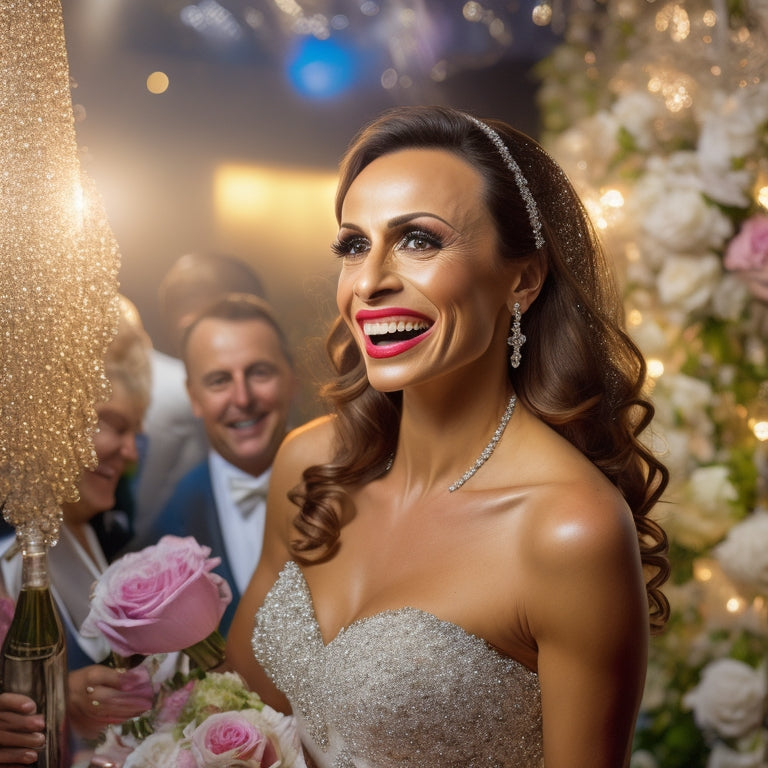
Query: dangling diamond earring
{"x": 516, "y": 338}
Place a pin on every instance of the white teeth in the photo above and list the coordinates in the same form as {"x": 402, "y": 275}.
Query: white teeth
{"x": 244, "y": 424}
{"x": 380, "y": 328}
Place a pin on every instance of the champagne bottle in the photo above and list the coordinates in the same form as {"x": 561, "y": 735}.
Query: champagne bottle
{"x": 33, "y": 657}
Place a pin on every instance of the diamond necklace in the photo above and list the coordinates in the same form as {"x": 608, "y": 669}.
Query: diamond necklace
{"x": 487, "y": 451}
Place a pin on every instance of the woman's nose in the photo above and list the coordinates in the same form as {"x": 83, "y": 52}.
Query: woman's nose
{"x": 376, "y": 276}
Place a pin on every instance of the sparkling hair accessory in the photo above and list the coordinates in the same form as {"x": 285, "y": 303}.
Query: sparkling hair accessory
{"x": 522, "y": 183}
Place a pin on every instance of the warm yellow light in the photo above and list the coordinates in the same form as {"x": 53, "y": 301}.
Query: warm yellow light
{"x": 542, "y": 14}
{"x": 674, "y": 19}
{"x": 612, "y": 198}
{"x": 655, "y": 368}
{"x": 284, "y": 213}
{"x": 473, "y": 11}
{"x": 759, "y": 429}
{"x": 709, "y": 18}
{"x": 734, "y": 605}
{"x": 291, "y": 7}
{"x": 762, "y": 196}
{"x": 157, "y": 82}
{"x": 634, "y": 317}
{"x": 702, "y": 572}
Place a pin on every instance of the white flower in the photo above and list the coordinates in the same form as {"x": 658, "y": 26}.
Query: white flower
{"x": 730, "y": 298}
{"x": 711, "y": 488}
{"x": 730, "y": 131}
{"x": 637, "y": 111}
{"x": 725, "y": 757}
{"x": 585, "y": 149}
{"x": 729, "y": 698}
{"x": 156, "y": 751}
{"x": 689, "y": 397}
{"x": 705, "y": 512}
{"x": 650, "y": 337}
{"x": 669, "y": 205}
{"x": 743, "y": 555}
{"x": 643, "y": 759}
{"x": 688, "y": 282}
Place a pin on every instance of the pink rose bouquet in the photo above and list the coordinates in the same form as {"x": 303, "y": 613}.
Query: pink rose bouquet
{"x": 229, "y": 737}
{"x": 216, "y": 723}
{"x": 160, "y": 600}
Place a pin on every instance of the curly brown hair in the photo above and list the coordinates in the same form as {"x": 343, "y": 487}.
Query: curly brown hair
{"x": 581, "y": 373}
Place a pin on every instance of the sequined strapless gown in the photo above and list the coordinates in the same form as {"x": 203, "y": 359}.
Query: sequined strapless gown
{"x": 401, "y": 689}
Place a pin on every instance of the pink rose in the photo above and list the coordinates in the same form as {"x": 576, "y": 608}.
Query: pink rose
{"x": 226, "y": 737}
{"x": 749, "y": 249}
{"x": 159, "y": 600}
{"x": 172, "y": 705}
{"x": 185, "y": 759}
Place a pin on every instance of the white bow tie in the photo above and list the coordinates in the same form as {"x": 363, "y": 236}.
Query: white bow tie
{"x": 246, "y": 492}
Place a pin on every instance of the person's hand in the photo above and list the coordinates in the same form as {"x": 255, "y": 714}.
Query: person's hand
{"x": 21, "y": 730}
{"x": 100, "y": 696}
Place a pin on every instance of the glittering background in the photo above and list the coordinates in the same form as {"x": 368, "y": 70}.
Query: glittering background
{"x": 58, "y": 276}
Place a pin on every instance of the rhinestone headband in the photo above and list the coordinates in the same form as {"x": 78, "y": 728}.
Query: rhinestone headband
{"x": 520, "y": 180}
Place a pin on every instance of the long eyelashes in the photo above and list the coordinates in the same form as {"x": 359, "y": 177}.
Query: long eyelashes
{"x": 425, "y": 239}
{"x": 412, "y": 240}
{"x": 348, "y": 246}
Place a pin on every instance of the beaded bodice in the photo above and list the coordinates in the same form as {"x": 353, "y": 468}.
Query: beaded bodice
{"x": 401, "y": 689}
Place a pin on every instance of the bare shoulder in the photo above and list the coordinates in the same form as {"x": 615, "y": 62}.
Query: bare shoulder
{"x": 583, "y": 573}
{"x": 581, "y": 520}
{"x": 309, "y": 444}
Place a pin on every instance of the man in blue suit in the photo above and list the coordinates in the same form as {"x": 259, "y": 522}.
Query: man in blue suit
{"x": 241, "y": 384}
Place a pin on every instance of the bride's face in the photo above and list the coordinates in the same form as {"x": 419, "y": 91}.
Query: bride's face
{"x": 422, "y": 286}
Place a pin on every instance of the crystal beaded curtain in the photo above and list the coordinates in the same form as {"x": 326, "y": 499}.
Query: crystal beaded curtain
{"x": 58, "y": 276}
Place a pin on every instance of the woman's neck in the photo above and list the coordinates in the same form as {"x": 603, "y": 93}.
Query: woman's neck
{"x": 441, "y": 437}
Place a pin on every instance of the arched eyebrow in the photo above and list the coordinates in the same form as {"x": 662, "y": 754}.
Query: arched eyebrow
{"x": 406, "y": 217}
{"x": 400, "y": 220}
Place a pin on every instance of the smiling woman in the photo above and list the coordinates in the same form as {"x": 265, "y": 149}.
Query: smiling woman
{"x": 459, "y": 567}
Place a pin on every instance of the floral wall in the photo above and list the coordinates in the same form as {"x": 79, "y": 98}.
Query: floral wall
{"x": 659, "y": 113}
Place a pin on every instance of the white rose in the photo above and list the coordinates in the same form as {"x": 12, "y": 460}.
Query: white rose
{"x": 743, "y": 555}
{"x": 688, "y": 396}
{"x": 705, "y": 512}
{"x": 668, "y": 203}
{"x": 729, "y": 698}
{"x": 695, "y": 528}
{"x": 711, "y": 488}
{"x": 683, "y": 222}
{"x": 643, "y": 759}
{"x": 729, "y": 132}
{"x": 650, "y": 337}
{"x": 729, "y": 300}
{"x": 156, "y": 751}
{"x": 725, "y": 757}
{"x": 688, "y": 282}
{"x": 637, "y": 111}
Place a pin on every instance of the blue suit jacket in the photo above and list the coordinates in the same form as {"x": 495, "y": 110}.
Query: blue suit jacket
{"x": 191, "y": 511}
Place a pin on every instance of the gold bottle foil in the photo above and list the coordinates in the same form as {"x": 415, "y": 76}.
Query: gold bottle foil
{"x": 58, "y": 276}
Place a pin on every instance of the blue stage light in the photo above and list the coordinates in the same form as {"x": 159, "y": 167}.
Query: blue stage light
{"x": 321, "y": 69}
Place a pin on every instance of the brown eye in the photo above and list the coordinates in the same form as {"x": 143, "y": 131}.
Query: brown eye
{"x": 420, "y": 241}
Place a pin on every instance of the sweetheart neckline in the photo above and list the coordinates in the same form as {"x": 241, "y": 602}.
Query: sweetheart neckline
{"x": 393, "y": 612}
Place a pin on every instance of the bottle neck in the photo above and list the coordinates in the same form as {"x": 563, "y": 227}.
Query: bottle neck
{"x": 34, "y": 565}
